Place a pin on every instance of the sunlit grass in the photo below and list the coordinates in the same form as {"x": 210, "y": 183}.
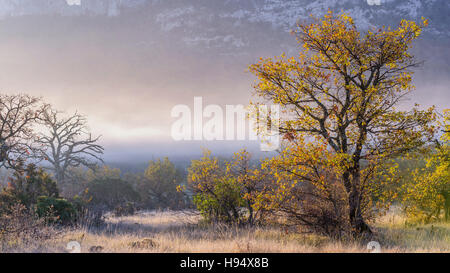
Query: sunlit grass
{"x": 164, "y": 232}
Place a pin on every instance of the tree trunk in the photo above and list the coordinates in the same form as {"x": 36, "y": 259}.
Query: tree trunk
{"x": 357, "y": 222}
{"x": 359, "y": 226}
{"x": 250, "y": 211}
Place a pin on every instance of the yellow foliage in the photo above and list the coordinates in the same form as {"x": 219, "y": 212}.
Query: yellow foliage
{"x": 429, "y": 193}
{"x": 338, "y": 99}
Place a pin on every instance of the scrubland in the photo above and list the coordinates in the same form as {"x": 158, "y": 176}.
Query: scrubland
{"x": 183, "y": 232}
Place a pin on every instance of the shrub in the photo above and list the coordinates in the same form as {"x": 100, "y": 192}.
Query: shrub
{"x": 227, "y": 192}
{"x": 222, "y": 202}
{"x": 26, "y": 186}
{"x": 427, "y": 192}
{"x": 107, "y": 194}
{"x": 124, "y": 210}
{"x": 158, "y": 187}
{"x": 56, "y": 210}
{"x": 22, "y": 227}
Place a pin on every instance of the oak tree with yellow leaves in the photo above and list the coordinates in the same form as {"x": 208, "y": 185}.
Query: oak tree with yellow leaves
{"x": 341, "y": 93}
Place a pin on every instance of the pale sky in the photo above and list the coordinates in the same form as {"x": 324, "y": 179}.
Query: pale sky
{"x": 126, "y": 80}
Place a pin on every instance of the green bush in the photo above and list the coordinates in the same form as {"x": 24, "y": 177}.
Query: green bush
{"x": 26, "y": 186}
{"x": 56, "y": 210}
{"x": 107, "y": 194}
{"x": 227, "y": 191}
{"x": 222, "y": 203}
{"x": 158, "y": 187}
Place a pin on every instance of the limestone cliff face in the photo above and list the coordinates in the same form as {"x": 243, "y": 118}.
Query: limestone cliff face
{"x": 194, "y": 14}
{"x": 232, "y": 27}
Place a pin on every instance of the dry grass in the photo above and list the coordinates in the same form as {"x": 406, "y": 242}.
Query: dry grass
{"x": 165, "y": 232}
{"x": 393, "y": 230}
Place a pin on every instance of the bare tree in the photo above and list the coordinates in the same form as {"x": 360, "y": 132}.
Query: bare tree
{"x": 18, "y": 116}
{"x": 67, "y": 143}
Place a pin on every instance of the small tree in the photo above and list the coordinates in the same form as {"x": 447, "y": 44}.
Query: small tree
{"x": 221, "y": 191}
{"x": 342, "y": 91}
{"x": 158, "y": 187}
{"x": 68, "y": 144}
{"x": 217, "y": 195}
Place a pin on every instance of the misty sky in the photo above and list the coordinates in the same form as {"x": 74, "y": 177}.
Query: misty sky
{"x": 126, "y": 78}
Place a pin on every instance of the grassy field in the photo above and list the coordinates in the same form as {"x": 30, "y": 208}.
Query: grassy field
{"x": 164, "y": 232}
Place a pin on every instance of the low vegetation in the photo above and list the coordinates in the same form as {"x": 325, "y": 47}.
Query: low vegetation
{"x": 180, "y": 231}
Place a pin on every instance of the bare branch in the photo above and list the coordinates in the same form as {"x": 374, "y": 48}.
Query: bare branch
{"x": 68, "y": 143}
